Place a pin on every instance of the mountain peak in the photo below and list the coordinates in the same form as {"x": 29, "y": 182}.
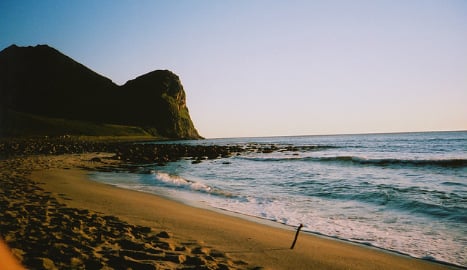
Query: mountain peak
{"x": 40, "y": 80}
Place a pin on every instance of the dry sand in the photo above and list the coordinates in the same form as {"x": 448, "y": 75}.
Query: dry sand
{"x": 55, "y": 217}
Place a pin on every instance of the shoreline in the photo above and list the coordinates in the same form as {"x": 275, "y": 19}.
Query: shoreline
{"x": 44, "y": 230}
{"x": 246, "y": 241}
{"x": 275, "y": 224}
{"x": 271, "y": 223}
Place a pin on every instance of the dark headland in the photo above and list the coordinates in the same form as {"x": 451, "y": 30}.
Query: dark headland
{"x": 44, "y": 92}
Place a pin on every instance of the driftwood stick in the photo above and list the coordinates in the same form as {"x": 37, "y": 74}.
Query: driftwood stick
{"x": 296, "y": 236}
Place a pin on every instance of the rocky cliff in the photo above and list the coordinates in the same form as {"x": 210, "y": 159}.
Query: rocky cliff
{"x": 42, "y": 81}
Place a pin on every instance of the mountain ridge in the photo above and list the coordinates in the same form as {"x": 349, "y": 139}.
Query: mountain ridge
{"x": 42, "y": 81}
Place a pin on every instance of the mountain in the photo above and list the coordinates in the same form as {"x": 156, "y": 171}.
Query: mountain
{"x": 41, "y": 81}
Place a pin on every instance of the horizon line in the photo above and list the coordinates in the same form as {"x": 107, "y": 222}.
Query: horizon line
{"x": 336, "y": 134}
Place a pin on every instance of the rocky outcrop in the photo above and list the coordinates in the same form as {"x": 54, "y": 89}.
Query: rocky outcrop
{"x": 42, "y": 81}
{"x": 130, "y": 152}
{"x": 159, "y": 94}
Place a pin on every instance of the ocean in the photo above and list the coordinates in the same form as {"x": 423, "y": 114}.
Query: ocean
{"x": 404, "y": 192}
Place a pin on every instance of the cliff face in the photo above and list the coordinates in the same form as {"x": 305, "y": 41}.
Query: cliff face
{"x": 42, "y": 81}
{"x": 160, "y": 94}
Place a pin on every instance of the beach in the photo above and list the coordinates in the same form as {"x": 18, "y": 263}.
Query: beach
{"x": 55, "y": 218}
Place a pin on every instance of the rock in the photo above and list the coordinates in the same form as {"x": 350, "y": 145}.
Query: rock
{"x": 196, "y": 161}
{"x": 33, "y": 80}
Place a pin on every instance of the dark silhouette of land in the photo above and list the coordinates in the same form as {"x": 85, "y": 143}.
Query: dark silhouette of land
{"x": 44, "y": 92}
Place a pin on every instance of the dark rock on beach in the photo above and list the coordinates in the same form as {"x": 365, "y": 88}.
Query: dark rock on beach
{"x": 133, "y": 153}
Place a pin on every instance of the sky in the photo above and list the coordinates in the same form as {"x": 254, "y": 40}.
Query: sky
{"x": 272, "y": 68}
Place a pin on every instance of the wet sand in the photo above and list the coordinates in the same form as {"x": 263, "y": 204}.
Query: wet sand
{"x": 53, "y": 217}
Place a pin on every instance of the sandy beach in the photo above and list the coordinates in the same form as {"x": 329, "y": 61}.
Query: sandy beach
{"x": 54, "y": 217}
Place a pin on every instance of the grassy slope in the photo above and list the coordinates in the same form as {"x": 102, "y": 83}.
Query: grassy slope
{"x": 26, "y": 125}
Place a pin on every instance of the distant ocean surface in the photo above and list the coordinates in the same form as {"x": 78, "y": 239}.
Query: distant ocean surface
{"x": 403, "y": 192}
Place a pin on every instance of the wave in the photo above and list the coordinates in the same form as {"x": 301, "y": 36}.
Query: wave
{"x": 432, "y": 203}
{"x": 352, "y": 160}
{"x": 176, "y": 181}
{"x": 454, "y": 184}
{"x": 400, "y": 162}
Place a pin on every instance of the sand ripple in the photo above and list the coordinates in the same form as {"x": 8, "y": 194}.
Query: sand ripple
{"x": 46, "y": 234}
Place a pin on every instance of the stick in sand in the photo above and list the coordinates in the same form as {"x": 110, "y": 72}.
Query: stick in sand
{"x": 296, "y": 236}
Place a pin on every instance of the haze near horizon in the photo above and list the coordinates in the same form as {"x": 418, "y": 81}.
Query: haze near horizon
{"x": 265, "y": 68}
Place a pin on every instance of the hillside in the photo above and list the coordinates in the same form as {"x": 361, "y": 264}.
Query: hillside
{"x": 42, "y": 83}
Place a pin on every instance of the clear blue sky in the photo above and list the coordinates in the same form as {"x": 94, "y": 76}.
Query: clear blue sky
{"x": 260, "y": 68}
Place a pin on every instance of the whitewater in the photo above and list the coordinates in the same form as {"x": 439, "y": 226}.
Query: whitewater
{"x": 404, "y": 192}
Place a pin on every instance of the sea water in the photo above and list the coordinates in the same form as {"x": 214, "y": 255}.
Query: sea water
{"x": 403, "y": 192}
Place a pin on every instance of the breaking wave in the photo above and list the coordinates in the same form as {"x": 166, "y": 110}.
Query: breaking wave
{"x": 353, "y": 160}
{"x": 176, "y": 181}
